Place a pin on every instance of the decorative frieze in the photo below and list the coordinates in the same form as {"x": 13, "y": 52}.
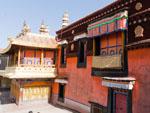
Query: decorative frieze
{"x": 109, "y": 24}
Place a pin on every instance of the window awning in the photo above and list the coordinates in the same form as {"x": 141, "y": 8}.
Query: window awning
{"x": 80, "y": 36}
{"x": 62, "y": 42}
{"x": 119, "y": 82}
{"x": 61, "y": 79}
{"x": 107, "y": 25}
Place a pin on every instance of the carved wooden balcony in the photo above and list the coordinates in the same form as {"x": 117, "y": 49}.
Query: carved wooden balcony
{"x": 31, "y": 68}
{"x": 30, "y": 72}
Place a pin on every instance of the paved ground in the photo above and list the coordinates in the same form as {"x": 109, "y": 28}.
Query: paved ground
{"x": 35, "y": 108}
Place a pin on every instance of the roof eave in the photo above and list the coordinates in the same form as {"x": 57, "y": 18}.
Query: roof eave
{"x": 88, "y": 16}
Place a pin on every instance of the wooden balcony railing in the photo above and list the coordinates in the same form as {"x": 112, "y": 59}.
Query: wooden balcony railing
{"x": 29, "y": 61}
{"x": 24, "y": 72}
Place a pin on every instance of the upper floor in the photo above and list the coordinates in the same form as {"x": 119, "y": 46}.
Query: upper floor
{"x": 105, "y": 37}
{"x": 31, "y": 55}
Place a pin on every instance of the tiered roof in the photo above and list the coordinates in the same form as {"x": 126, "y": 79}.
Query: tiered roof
{"x": 28, "y": 39}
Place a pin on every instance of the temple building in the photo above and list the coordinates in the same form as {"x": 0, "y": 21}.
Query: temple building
{"x": 103, "y": 60}
{"x": 31, "y": 65}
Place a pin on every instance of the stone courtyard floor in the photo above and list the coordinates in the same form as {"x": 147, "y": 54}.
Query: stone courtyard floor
{"x": 35, "y": 108}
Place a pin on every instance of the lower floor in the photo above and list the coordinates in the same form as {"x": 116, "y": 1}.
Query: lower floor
{"x": 119, "y": 96}
{"x": 31, "y": 90}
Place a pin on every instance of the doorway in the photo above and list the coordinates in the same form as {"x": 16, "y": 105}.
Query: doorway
{"x": 61, "y": 92}
{"x": 119, "y": 101}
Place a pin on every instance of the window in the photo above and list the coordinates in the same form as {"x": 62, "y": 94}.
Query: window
{"x": 96, "y": 108}
{"x": 63, "y": 55}
{"x": 82, "y": 53}
{"x": 109, "y": 45}
{"x": 110, "y": 55}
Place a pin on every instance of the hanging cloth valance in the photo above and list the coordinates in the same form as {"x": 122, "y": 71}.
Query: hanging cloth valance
{"x": 108, "y": 25}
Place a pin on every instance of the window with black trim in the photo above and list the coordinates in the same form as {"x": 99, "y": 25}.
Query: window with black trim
{"x": 109, "y": 45}
{"x": 63, "y": 55}
{"x": 110, "y": 53}
{"x": 82, "y": 53}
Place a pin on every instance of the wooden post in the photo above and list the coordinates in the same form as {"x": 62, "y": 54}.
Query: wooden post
{"x": 19, "y": 57}
{"x": 42, "y": 57}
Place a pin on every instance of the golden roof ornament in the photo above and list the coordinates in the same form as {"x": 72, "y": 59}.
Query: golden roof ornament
{"x": 26, "y": 28}
{"x": 138, "y": 6}
{"x": 139, "y": 30}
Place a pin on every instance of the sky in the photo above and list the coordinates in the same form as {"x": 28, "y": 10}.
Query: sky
{"x": 14, "y": 12}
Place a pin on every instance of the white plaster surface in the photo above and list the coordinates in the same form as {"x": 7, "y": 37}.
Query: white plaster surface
{"x": 36, "y": 108}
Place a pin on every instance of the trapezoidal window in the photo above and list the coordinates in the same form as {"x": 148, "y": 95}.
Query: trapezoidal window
{"x": 82, "y": 53}
{"x": 111, "y": 44}
{"x": 63, "y": 55}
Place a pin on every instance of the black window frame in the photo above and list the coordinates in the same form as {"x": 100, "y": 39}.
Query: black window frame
{"x": 63, "y": 56}
{"x": 111, "y": 72}
{"x": 80, "y": 63}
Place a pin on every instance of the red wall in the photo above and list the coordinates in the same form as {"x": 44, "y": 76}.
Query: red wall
{"x": 49, "y": 54}
{"x": 30, "y": 53}
{"x": 139, "y": 67}
{"x": 82, "y": 87}
{"x": 38, "y": 54}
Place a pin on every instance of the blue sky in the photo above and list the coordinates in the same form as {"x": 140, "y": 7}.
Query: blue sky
{"x": 14, "y": 12}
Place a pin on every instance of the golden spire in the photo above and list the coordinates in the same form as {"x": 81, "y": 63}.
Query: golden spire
{"x": 65, "y": 20}
{"x": 43, "y": 28}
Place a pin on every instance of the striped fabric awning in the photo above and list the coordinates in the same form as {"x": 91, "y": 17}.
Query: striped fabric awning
{"x": 109, "y": 24}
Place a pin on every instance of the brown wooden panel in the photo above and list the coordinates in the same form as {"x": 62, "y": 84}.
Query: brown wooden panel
{"x": 37, "y": 83}
{"x": 107, "y": 62}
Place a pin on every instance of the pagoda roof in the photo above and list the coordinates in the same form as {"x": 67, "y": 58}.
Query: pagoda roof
{"x": 32, "y": 40}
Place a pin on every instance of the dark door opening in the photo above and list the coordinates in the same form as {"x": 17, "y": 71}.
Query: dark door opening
{"x": 5, "y": 97}
{"x": 61, "y": 92}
